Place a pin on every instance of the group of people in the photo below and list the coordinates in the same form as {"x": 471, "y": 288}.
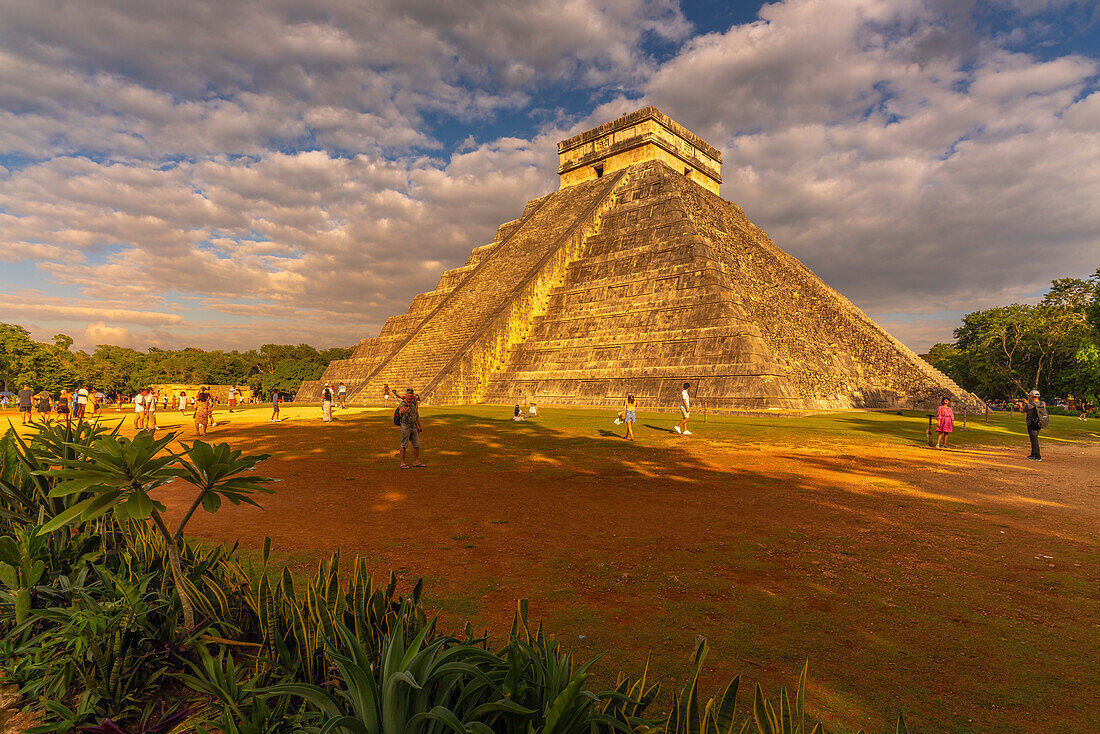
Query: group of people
{"x": 67, "y": 405}
{"x": 1036, "y": 418}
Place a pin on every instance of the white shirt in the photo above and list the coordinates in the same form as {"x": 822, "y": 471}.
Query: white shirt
{"x": 685, "y": 398}
{"x": 139, "y": 403}
{"x": 81, "y": 397}
{"x": 232, "y": 393}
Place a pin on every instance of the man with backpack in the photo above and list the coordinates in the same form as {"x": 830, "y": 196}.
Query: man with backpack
{"x": 407, "y": 416}
{"x": 1036, "y": 418}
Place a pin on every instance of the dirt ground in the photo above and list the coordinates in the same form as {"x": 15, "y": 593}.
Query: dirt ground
{"x": 961, "y": 587}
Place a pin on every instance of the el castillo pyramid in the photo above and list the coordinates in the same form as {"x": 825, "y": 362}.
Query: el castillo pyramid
{"x": 636, "y": 276}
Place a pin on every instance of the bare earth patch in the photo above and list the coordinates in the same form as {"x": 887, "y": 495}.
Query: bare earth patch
{"x": 960, "y": 587}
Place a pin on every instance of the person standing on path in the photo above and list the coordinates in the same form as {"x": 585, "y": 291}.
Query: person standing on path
{"x": 183, "y": 402}
{"x": 64, "y": 404}
{"x": 945, "y": 422}
{"x": 81, "y": 402}
{"x": 1036, "y": 419}
{"x": 275, "y": 400}
{"x": 685, "y": 411}
{"x": 326, "y": 404}
{"x": 139, "y": 409}
{"x": 342, "y": 394}
{"x": 232, "y": 397}
{"x": 26, "y": 397}
{"x": 408, "y": 417}
{"x": 630, "y": 414}
{"x": 204, "y": 410}
{"x": 45, "y": 407}
{"x": 151, "y": 411}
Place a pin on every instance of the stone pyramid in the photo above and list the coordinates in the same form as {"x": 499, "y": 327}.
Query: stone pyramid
{"x": 636, "y": 276}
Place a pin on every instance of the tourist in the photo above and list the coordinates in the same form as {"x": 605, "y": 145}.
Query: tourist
{"x": 408, "y": 417}
{"x": 26, "y": 398}
{"x": 140, "y": 406}
{"x": 164, "y": 401}
{"x": 151, "y": 411}
{"x": 534, "y": 410}
{"x": 386, "y": 393}
{"x": 204, "y": 410}
{"x": 82, "y": 396}
{"x": 517, "y": 414}
{"x": 44, "y": 405}
{"x": 326, "y": 404}
{"x": 945, "y": 422}
{"x": 685, "y": 411}
{"x": 1036, "y": 419}
{"x": 630, "y": 414}
{"x": 342, "y": 394}
{"x": 275, "y": 400}
{"x": 183, "y": 402}
{"x": 64, "y": 403}
{"x": 4, "y": 402}
{"x": 232, "y": 397}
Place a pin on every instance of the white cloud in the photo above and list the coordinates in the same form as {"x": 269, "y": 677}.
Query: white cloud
{"x": 264, "y": 162}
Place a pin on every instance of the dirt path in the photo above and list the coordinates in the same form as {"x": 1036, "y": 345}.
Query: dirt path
{"x": 912, "y": 579}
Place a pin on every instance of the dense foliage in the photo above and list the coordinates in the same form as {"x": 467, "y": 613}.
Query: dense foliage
{"x": 94, "y": 628}
{"x": 123, "y": 370}
{"x": 1052, "y": 346}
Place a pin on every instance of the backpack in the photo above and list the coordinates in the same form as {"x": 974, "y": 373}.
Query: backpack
{"x": 1042, "y": 415}
{"x": 397, "y": 416}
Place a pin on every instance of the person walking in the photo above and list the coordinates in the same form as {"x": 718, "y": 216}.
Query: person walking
{"x": 140, "y": 401}
{"x": 275, "y": 400}
{"x": 151, "y": 411}
{"x": 26, "y": 398}
{"x": 45, "y": 407}
{"x": 630, "y": 414}
{"x": 326, "y": 404}
{"x": 1036, "y": 419}
{"x": 232, "y": 397}
{"x": 945, "y": 422}
{"x": 183, "y": 402}
{"x": 408, "y": 418}
{"x": 685, "y": 411}
{"x": 386, "y": 393}
{"x": 64, "y": 404}
{"x": 342, "y": 394}
{"x": 81, "y": 402}
{"x": 204, "y": 410}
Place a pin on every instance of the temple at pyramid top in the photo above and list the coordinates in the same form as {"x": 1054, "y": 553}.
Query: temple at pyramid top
{"x": 644, "y": 135}
{"x": 636, "y": 276}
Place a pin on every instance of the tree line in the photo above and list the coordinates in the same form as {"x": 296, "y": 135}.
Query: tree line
{"x": 122, "y": 370}
{"x": 1052, "y": 346}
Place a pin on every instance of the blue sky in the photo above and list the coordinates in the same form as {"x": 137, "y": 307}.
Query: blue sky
{"x": 224, "y": 174}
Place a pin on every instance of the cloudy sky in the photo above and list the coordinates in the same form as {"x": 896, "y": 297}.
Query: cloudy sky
{"x": 225, "y": 174}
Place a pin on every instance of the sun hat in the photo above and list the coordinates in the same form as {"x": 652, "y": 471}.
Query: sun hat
{"x": 1034, "y": 393}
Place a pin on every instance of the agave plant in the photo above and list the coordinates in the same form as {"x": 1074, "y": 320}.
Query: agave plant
{"x": 296, "y": 620}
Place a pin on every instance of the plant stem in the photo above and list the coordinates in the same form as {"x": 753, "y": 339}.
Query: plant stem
{"x": 187, "y": 516}
{"x": 177, "y": 570}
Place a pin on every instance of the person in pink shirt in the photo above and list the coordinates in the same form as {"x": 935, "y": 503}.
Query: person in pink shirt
{"x": 945, "y": 422}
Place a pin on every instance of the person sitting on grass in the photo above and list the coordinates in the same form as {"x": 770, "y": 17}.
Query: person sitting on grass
{"x": 517, "y": 414}
{"x": 945, "y": 422}
{"x": 630, "y": 412}
{"x": 408, "y": 414}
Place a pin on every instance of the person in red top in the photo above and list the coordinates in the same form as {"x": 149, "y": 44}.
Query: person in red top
{"x": 945, "y": 422}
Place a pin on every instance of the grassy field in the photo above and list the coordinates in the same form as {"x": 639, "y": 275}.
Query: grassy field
{"x": 961, "y": 587}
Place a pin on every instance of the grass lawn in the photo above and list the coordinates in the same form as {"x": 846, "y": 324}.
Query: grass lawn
{"x": 961, "y": 587}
